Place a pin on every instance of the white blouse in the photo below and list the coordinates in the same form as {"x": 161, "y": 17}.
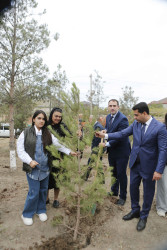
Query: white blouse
{"x": 24, "y": 156}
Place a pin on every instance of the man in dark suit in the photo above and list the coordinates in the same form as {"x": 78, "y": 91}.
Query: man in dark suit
{"x": 118, "y": 151}
{"x": 147, "y": 159}
{"x": 98, "y": 126}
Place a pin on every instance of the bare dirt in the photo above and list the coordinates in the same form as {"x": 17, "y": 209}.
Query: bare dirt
{"x": 105, "y": 230}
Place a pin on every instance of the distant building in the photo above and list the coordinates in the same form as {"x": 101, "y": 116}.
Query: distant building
{"x": 162, "y": 101}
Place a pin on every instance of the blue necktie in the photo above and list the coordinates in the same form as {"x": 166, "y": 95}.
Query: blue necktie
{"x": 143, "y": 130}
{"x": 111, "y": 121}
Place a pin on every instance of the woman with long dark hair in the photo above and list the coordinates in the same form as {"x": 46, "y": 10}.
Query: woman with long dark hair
{"x": 31, "y": 149}
{"x": 55, "y": 120}
{"x": 161, "y": 199}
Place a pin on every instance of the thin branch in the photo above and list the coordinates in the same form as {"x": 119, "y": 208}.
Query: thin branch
{"x": 27, "y": 78}
{"x": 5, "y": 77}
{"x": 5, "y": 47}
{"x": 72, "y": 229}
{"x": 21, "y": 57}
{"x": 10, "y": 41}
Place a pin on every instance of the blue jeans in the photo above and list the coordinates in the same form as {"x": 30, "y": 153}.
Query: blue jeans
{"x": 36, "y": 197}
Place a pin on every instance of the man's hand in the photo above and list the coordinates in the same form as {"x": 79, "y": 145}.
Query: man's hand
{"x": 99, "y": 134}
{"x": 156, "y": 176}
{"x": 104, "y": 131}
{"x": 102, "y": 144}
{"x": 73, "y": 153}
{"x": 33, "y": 164}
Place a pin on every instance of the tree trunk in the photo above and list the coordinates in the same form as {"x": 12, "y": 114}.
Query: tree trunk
{"x": 79, "y": 194}
{"x": 12, "y": 139}
{"x": 78, "y": 204}
{"x": 78, "y": 214}
{"x": 11, "y": 105}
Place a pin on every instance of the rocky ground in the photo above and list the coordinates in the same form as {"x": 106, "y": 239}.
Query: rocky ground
{"x": 106, "y": 230}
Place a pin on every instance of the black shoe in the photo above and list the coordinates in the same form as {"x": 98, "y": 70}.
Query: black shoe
{"x": 47, "y": 201}
{"x": 120, "y": 202}
{"x": 131, "y": 215}
{"x": 141, "y": 224}
{"x": 56, "y": 204}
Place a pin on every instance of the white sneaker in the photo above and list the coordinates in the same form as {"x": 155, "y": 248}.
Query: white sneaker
{"x": 43, "y": 216}
{"x": 27, "y": 221}
{"x": 161, "y": 213}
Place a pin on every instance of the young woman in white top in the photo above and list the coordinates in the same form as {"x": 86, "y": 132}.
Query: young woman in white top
{"x": 31, "y": 149}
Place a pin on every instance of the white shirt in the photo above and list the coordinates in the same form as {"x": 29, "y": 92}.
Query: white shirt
{"x": 22, "y": 154}
{"x": 147, "y": 124}
{"x": 114, "y": 116}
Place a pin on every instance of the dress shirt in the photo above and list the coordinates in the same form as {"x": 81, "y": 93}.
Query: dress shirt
{"x": 107, "y": 143}
{"x": 148, "y": 123}
{"x": 113, "y": 116}
{"x": 23, "y": 154}
{"x": 146, "y": 127}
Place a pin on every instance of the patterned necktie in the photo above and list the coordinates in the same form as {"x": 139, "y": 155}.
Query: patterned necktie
{"x": 143, "y": 130}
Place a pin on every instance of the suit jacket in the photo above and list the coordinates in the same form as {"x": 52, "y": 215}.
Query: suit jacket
{"x": 152, "y": 149}
{"x": 95, "y": 142}
{"x": 121, "y": 148}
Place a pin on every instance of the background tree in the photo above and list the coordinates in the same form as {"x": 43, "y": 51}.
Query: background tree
{"x": 127, "y": 101}
{"x": 158, "y": 111}
{"x": 22, "y": 109}
{"x": 96, "y": 95}
{"x": 55, "y": 86}
{"x": 22, "y": 72}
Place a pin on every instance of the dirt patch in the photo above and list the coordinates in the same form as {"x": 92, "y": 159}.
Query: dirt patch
{"x": 87, "y": 225}
{"x": 105, "y": 230}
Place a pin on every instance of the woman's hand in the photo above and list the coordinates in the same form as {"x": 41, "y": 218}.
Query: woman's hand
{"x": 33, "y": 164}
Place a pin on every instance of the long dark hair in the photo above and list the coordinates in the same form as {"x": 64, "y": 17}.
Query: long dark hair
{"x": 166, "y": 120}
{"x": 46, "y": 136}
{"x": 51, "y": 114}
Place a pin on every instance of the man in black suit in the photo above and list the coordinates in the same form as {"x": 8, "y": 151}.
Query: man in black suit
{"x": 98, "y": 126}
{"x": 118, "y": 151}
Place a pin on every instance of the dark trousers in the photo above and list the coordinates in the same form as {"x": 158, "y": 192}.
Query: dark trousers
{"x": 119, "y": 172}
{"x": 136, "y": 175}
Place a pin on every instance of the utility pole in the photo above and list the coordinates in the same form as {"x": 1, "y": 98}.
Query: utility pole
{"x": 90, "y": 94}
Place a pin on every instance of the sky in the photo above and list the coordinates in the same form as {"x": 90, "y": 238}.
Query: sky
{"x": 124, "y": 40}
